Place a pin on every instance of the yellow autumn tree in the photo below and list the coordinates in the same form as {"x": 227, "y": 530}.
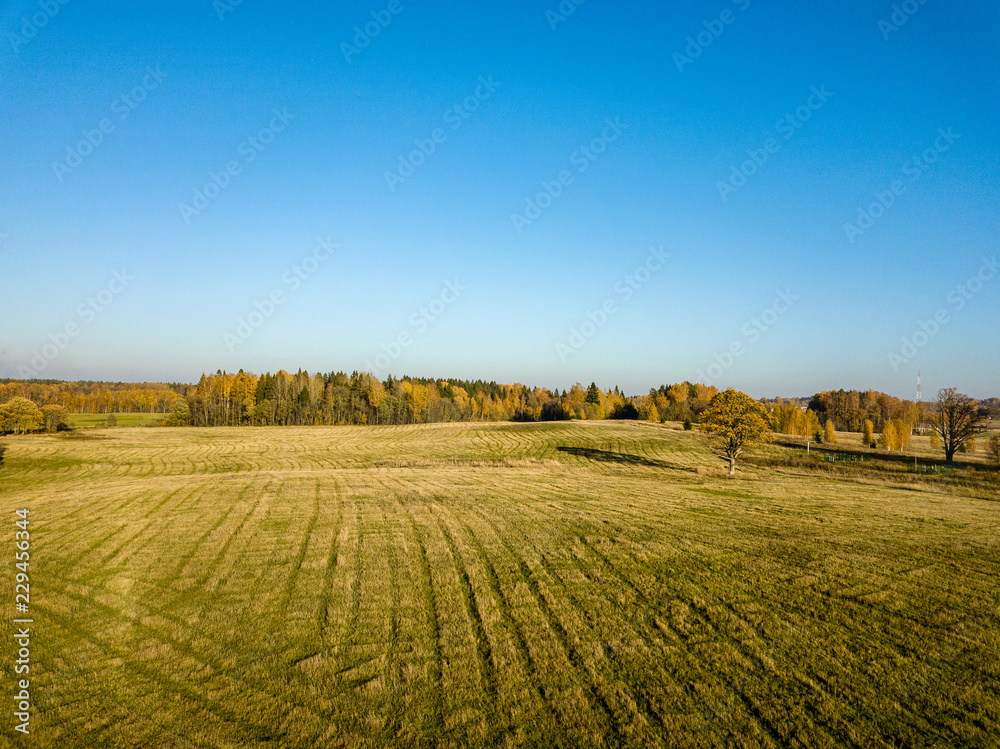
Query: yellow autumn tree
{"x": 868, "y": 435}
{"x": 735, "y": 421}
{"x": 888, "y": 438}
{"x": 903, "y": 433}
{"x": 20, "y": 416}
{"x": 829, "y": 433}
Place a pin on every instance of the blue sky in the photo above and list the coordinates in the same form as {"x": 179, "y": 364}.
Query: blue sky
{"x": 492, "y": 178}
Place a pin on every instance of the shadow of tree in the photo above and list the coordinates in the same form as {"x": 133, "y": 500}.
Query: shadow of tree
{"x": 620, "y": 458}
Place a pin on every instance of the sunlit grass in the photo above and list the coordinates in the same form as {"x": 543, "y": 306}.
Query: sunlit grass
{"x": 577, "y": 584}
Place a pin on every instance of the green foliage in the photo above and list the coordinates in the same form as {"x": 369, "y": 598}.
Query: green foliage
{"x": 179, "y": 415}
{"x": 688, "y": 426}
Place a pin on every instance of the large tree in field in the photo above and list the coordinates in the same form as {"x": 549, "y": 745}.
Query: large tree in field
{"x": 735, "y": 421}
{"x": 956, "y": 419}
{"x": 54, "y": 418}
{"x": 20, "y": 415}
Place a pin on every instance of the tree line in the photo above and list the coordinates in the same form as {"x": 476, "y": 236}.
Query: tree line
{"x": 243, "y": 398}
{"x": 88, "y": 397}
{"x": 285, "y": 399}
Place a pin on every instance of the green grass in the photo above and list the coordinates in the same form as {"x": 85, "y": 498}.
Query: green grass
{"x": 576, "y": 584}
{"x": 83, "y": 421}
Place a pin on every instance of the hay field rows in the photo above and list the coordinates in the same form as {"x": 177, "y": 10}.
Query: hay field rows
{"x": 578, "y": 584}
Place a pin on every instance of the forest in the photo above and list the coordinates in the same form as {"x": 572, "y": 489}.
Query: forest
{"x": 282, "y": 398}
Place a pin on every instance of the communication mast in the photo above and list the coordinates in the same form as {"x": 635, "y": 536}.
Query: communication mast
{"x": 921, "y": 428}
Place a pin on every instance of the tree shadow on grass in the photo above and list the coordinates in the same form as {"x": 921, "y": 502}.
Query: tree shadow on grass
{"x": 620, "y": 458}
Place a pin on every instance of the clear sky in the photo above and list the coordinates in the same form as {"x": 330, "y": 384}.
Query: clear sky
{"x": 775, "y": 197}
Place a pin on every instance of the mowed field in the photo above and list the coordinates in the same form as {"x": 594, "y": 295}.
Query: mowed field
{"x": 576, "y": 584}
{"x": 83, "y": 421}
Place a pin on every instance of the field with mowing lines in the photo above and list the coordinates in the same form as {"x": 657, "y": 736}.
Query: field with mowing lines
{"x": 574, "y": 584}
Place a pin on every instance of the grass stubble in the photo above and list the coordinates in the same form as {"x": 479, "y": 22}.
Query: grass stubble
{"x": 579, "y": 584}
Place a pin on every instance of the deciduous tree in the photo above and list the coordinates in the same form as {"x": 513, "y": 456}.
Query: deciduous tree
{"x": 888, "y": 439}
{"x": 957, "y": 419}
{"x": 54, "y": 418}
{"x": 868, "y": 435}
{"x": 829, "y": 433}
{"x": 993, "y": 450}
{"x": 20, "y": 416}
{"x": 735, "y": 422}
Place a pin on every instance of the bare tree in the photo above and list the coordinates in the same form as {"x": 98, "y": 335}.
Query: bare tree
{"x": 957, "y": 418}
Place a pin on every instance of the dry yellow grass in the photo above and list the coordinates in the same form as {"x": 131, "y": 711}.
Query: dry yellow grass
{"x": 579, "y": 584}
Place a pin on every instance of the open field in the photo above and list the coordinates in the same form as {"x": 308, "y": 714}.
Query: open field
{"x": 82, "y": 421}
{"x": 573, "y": 584}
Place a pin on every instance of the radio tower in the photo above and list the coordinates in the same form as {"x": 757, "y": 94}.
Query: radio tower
{"x": 918, "y": 386}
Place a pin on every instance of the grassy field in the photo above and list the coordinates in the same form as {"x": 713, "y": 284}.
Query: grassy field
{"x": 83, "y": 421}
{"x": 576, "y": 584}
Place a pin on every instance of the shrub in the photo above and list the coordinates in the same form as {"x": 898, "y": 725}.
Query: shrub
{"x": 992, "y": 450}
